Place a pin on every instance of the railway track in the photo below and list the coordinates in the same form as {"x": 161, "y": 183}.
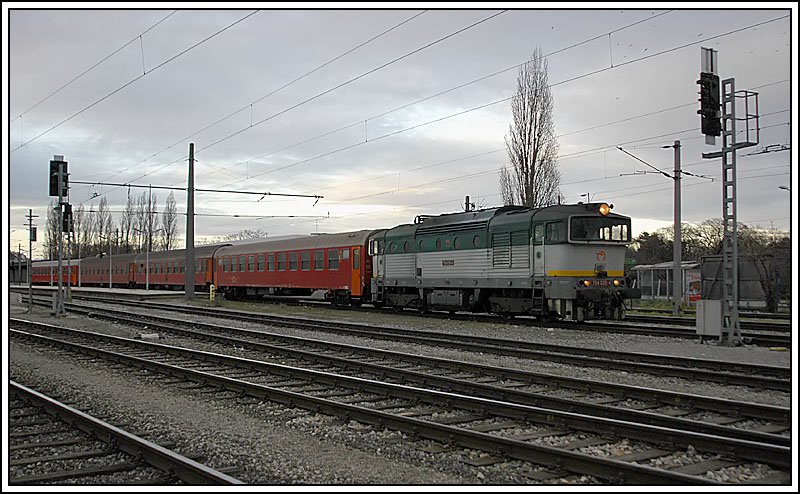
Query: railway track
{"x": 730, "y": 373}
{"x": 501, "y": 428}
{"x": 762, "y": 333}
{"x": 669, "y": 409}
{"x": 51, "y": 443}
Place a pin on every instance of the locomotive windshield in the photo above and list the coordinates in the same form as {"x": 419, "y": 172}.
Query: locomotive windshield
{"x": 594, "y": 229}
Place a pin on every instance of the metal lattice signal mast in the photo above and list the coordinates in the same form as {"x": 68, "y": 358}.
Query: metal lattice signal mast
{"x": 710, "y": 114}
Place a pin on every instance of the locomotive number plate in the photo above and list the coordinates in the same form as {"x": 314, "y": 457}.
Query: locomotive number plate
{"x": 601, "y": 282}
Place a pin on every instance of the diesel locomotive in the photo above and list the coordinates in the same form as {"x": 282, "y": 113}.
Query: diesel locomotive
{"x": 563, "y": 261}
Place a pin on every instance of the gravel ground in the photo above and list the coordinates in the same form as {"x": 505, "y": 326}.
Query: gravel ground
{"x": 272, "y": 444}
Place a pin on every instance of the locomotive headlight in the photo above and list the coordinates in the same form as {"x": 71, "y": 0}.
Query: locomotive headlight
{"x": 616, "y": 282}
{"x": 586, "y": 282}
{"x": 604, "y": 209}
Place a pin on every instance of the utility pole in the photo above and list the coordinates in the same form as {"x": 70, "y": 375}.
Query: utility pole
{"x": 677, "y": 277}
{"x": 189, "y": 281}
{"x": 19, "y": 262}
{"x": 31, "y": 240}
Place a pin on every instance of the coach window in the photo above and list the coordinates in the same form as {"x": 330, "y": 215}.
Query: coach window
{"x": 406, "y": 246}
{"x": 293, "y": 261}
{"x": 224, "y": 262}
{"x": 271, "y": 262}
{"x": 392, "y": 247}
{"x": 319, "y": 260}
{"x": 421, "y": 243}
{"x": 261, "y": 262}
{"x": 333, "y": 259}
{"x": 233, "y": 263}
{"x": 438, "y": 244}
{"x": 345, "y": 254}
{"x": 242, "y": 263}
{"x": 281, "y": 262}
{"x": 305, "y": 261}
{"x": 356, "y": 260}
{"x": 251, "y": 263}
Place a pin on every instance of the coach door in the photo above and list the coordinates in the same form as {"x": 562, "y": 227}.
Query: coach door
{"x": 355, "y": 272}
{"x": 209, "y": 273}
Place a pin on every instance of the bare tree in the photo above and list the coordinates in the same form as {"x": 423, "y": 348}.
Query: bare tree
{"x": 50, "y": 242}
{"x": 105, "y": 226}
{"x": 169, "y": 222}
{"x": 79, "y": 218}
{"x": 532, "y": 178}
{"x": 140, "y": 222}
{"x": 126, "y": 223}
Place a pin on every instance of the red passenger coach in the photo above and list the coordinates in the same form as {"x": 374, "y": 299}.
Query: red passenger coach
{"x": 99, "y": 270}
{"x": 46, "y": 272}
{"x": 336, "y": 262}
{"x": 168, "y": 268}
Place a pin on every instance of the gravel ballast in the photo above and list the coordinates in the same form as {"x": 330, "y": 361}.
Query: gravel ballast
{"x": 272, "y": 444}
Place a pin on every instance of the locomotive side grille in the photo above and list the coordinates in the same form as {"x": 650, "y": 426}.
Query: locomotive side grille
{"x": 452, "y": 228}
{"x": 501, "y": 249}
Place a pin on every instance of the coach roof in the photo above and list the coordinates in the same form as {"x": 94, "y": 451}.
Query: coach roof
{"x": 308, "y": 242}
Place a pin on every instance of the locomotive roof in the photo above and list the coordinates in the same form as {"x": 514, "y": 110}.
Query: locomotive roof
{"x": 307, "y": 242}
{"x": 493, "y": 217}
{"x": 557, "y": 211}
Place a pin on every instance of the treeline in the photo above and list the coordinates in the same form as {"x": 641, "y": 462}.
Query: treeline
{"x": 140, "y": 227}
{"x": 770, "y": 249}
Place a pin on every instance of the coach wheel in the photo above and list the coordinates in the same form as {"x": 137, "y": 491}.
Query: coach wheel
{"x": 507, "y": 316}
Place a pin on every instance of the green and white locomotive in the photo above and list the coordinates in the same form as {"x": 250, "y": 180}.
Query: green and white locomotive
{"x": 556, "y": 262}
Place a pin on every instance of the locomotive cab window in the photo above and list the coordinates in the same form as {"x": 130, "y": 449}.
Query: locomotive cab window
{"x": 554, "y": 232}
{"x": 599, "y": 229}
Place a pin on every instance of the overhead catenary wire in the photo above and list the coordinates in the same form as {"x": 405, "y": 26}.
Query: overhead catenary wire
{"x": 505, "y": 99}
{"x": 284, "y": 86}
{"x": 137, "y": 37}
{"x": 664, "y": 110}
{"x": 397, "y": 59}
{"x": 115, "y": 91}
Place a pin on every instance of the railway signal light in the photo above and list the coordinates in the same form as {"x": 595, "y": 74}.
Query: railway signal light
{"x": 57, "y": 171}
{"x": 709, "y": 104}
{"x": 67, "y": 219}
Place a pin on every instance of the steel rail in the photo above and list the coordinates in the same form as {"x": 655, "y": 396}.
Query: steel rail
{"x": 497, "y": 392}
{"x": 188, "y": 470}
{"x": 775, "y": 455}
{"x": 731, "y": 373}
{"x": 613, "y": 470}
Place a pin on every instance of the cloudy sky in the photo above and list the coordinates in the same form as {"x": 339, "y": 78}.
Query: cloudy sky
{"x": 387, "y": 114}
